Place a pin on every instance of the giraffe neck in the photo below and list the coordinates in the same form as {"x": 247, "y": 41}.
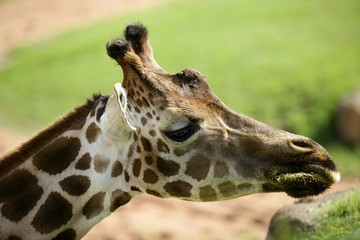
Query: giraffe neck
{"x": 69, "y": 184}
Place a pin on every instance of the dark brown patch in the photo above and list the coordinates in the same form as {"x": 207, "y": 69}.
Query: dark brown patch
{"x": 143, "y": 121}
{"x": 221, "y": 169}
{"x": 94, "y": 206}
{"x": 149, "y": 115}
{"x": 148, "y": 160}
{"x": 135, "y": 137}
{"x": 162, "y": 147}
{"x": 55, "y": 212}
{"x": 146, "y": 144}
{"x": 227, "y": 188}
{"x": 101, "y": 163}
{"x": 167, "y": 167}
{"x": 117, "y": 169}
{"x": 158, "y": 118}
{"x": 207, "y": 193}
{"x": 136, "y": 167}
{"x": 130, "y": 150}
{"x": 150, "y": 176}
{"x": 178, "y": 188}
{"x": 19, "y": 193}
{"x": 56, "y": 157}
{"x": 179, "y": 152}
{"x": 99, "y": 112}
{"x": 154, "y": 193}
{"x": 68, "y": 234}
{"x": 75, "y": 185}
{"x": 138, "y": 102}
{"x": 198, "y": 167}
{"x": 12, "y": 237}
{"x": 138, "y": 149}
{"x": 92, "y": 132}
{"x": 136, "y": 189}
{"x": 244, "y": 186}
{"x": 145, "y": 102}
{"x": 118, "y": 199}
{"x": 137, "y": 109}
{"x": 84, "y": 162}
{"x": 13, "y": 159}
{"x": 127, "y": 176}
{"x": 152, "y": 133}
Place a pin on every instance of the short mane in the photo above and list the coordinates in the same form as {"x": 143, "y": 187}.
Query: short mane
{"x": 14, "y": 158}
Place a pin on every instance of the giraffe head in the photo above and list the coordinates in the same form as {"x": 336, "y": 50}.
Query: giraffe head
{"x": 187, "y": 144}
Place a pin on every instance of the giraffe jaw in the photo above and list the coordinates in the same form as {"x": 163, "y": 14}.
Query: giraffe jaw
{"x": 305, "y": 182}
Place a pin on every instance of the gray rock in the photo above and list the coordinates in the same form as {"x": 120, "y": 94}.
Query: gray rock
{"x": 348, "y": 118}
{"x": 291, "y": 220}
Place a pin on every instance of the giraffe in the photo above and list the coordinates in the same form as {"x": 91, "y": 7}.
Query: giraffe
{"x": 162, "y": 134}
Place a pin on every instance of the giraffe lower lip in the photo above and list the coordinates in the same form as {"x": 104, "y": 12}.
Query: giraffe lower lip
{"x": 309, "y": 181}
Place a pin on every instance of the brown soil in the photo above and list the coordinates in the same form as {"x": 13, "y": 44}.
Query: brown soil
{"x": 145, "y": 217}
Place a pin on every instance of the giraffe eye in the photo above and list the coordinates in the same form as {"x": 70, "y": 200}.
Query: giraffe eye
{"x": 183, "y": 133}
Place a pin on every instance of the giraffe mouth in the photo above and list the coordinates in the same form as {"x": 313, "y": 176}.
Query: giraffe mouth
{"x": 297, "y": 182}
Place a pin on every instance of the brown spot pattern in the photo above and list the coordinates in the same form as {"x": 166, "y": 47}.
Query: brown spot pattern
{"x": 101, "y": 163}
{"x": 179, "y": 152}
{"x": 143, "y": 121}
{"x": 162, "y": 147}
{"x": 94, "y": 206}
{"x": 148, "y": 160}
{"x": 133, "y": 188}
{"x": 75, "y": 185}
{"x": 68, "y": 234}
{"x": 167, "y": 167}
{"x": 118, "y": 199}
{"x": 227, "y": 188}
{"x": 19, "y": 193}
{"x": 136, "y": 167}
{"x": 117, "y": 169}
{"x": 84, "y": 162}
{"x": 127, "y": 176}
{"x": 55, "y": 212}
{"x": 198, "y": 167}
{"x": 221, "y": 169}
{"x": 146, "y": 103}
{"x": 152, "y": 133}
{"x": 146, "y": 144}
{"x": 207, "y": 193}
{"x": 57, "y": 156}
{"x": 92, "y": 132}
{"x": 154, "y": 193}
{"x": 150, "y": 176}
{"x": 178, "y": 188}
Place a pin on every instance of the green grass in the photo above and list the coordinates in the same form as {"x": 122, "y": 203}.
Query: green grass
{"x": 341, "y": 219}
{"x": 286, "y": 63}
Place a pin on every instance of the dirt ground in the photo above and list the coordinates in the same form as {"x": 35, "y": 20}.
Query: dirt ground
{"x": 145, "y": 217}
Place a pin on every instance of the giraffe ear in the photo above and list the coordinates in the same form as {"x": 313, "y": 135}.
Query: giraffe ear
{"x": 117, "y": 125}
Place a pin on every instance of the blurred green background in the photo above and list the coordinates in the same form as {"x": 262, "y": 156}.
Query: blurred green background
{"x": 285, "y": 63}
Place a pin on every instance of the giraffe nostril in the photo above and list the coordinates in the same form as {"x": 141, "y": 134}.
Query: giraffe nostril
{"x": 303, "y": 145}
